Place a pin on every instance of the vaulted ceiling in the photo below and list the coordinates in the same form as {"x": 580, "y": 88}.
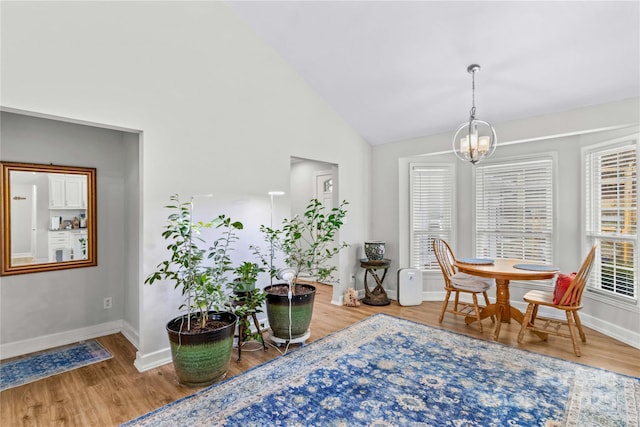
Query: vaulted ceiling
{"x": 398, "y": 69}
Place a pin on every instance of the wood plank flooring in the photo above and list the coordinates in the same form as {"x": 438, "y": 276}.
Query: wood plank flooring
{"x": 112, "y": 392}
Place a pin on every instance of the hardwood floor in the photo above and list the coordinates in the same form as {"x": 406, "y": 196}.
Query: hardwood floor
{"x": 112, "y": 392}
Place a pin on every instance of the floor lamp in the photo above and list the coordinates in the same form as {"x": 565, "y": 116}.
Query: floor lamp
{"x": 271, "y": 195}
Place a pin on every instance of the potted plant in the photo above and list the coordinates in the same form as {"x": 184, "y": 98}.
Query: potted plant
{"x": 246, "y": 276}
{"x": 248, "y": 301}
{"x": 202, "y": 338}
{"x": 307, "y": 243}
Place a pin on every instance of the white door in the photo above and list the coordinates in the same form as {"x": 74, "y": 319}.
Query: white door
{"x": 325, "y": 186}
{"x": 324, "y": 189}
{"x": 23, "y": 224}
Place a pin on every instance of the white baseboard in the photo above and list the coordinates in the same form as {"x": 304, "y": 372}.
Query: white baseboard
{"x": 626, "y": 336}
{"x": 152, "y": 360}
{"x": 130, "y": 334}
{"x": 433, "y": 296}
{"x": 392, "y": 294}
{"x": 18, "y": 348}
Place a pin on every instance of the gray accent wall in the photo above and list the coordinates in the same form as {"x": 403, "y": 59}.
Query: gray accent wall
{"x": 58, "y": 303}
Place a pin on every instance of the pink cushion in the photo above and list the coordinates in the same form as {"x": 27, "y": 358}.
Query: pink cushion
{"x": 562, "y": 284}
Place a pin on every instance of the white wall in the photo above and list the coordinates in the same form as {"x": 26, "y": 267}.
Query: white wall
{"x": 562, "y": 133}
{"x": 132, "y": 226}
{"x": 220, "y": 113}
{"x": 62, "y": 306}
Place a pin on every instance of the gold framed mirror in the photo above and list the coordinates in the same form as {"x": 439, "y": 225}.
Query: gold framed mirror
{"x": 48, "y": 218}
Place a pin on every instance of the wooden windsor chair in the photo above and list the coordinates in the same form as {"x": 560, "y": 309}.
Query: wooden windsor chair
{"x": 457, "y": 283}
{"x": 570, "y": 303}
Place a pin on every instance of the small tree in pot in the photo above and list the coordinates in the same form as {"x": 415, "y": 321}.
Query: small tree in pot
{"x": 308, "y": 244}
{"x": 202, "y": 338}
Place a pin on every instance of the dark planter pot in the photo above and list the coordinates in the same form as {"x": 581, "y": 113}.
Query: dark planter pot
{"x": 202, "y": 358}
{"x": 278, "y": 310}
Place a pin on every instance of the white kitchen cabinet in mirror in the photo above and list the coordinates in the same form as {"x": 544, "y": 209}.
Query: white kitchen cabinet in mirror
{"x": 48, "y": 217}
{"x": 67, "y": 191}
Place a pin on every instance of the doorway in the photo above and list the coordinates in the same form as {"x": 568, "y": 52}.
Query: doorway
{"x": 24, "y": 241}
{"x": 313, "y": 179}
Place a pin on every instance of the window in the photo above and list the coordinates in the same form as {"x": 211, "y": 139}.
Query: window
{"x": 431, "y": 201}
{"x": 327, "y": 185}
{"x": 514, "y": 210}
{"x": 611, "y": 215}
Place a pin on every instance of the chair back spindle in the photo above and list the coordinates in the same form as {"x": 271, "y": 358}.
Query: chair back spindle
{"x": 573, "y": 294}
{"x": 445, "y": 258}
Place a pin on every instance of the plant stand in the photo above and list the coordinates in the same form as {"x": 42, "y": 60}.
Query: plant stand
{"x": 241, "y": 331}
{"x": 378, "y": 296}
{"x": 298, "y": 340}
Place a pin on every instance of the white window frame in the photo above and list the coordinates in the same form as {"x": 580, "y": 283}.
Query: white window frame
{"x": 592, "y": 220}
{"x": 446, "y": 195}
{"x": 543, "y": 253}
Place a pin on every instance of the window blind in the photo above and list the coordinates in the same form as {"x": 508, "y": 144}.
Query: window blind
{"x": 514, "y": 210}
{"x": 611, "y": 220}
{"x": 431, "y": 201}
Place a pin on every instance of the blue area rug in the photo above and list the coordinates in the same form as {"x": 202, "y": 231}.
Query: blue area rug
{"x": 17, "y": 372}
{"x": 386, "y": 371}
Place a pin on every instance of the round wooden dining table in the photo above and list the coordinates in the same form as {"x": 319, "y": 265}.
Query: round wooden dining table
{"x": 503, "y": 271}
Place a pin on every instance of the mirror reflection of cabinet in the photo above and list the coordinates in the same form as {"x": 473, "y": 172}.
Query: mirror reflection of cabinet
{"x": 48, "y": 217}
{"x": 59, "y": 246}
{"x": 67, "y": 191}
{"x": 67, "y": 245}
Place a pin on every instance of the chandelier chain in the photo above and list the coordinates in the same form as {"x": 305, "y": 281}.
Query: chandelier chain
{"x": 472, "y": 112}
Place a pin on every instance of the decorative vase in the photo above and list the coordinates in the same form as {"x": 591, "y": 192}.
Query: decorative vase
{"x": 374, "y": 250}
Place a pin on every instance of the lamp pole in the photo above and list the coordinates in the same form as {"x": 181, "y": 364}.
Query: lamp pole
{"x": 271, "y": 194}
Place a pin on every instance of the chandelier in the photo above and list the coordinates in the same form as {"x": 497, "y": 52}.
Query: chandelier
{"x": 476, "y": 139}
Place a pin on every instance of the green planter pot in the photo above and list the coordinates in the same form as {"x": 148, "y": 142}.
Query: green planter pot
{"x": 202, "y": 358}
{"x": 278, "y": 310}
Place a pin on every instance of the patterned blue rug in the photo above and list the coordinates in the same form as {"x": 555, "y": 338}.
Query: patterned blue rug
{"x": 30, "y": 368}
{"x": 386, "y": 371}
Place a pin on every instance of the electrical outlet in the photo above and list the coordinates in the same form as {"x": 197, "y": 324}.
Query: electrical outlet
{"x": 353, "y": 278}
{"x": 108, "y": 303}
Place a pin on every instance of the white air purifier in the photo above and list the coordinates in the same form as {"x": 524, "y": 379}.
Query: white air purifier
{"x": 409, "y": 286}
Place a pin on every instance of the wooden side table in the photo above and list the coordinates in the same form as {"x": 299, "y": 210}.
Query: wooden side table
{"x": 378, "y": 296}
